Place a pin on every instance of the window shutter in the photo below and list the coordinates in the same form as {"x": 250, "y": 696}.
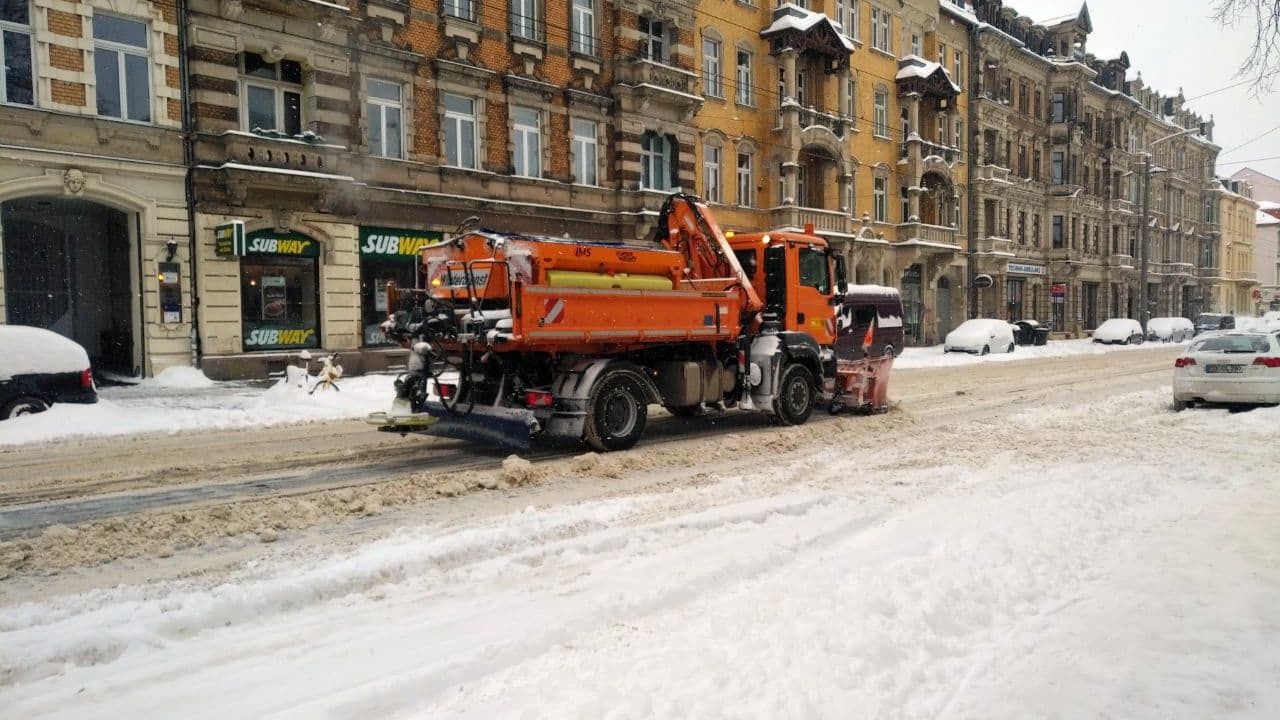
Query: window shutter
{"x": 674, "y": 156}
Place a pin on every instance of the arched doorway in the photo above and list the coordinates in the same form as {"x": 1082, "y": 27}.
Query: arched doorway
{"x": 67, "y": 268}
{"x": 943, "y": 304}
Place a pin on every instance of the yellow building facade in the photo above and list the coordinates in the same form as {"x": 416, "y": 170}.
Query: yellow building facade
{"x": 1237, "y": 215}
{"x": 846, "y": 116}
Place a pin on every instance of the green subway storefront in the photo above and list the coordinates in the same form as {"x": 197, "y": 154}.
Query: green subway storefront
{"x": 296, "y": 294}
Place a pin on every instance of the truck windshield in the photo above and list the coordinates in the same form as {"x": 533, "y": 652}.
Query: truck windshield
{"x": 814, "y": 271}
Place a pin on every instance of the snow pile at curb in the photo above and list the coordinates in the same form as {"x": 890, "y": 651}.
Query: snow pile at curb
{"x": 182, "y": 376}
{"x": 933, "y": 356}
{"x": 129, "y": 411}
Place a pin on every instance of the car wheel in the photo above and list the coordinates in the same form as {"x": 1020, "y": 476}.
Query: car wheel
{"x": 889, "y": 351}
{"x": 985, "y": 350}
{"x": 1138, "y": 339}
{"x": 617, "y": 413}
{"x": 23, "y": 405}
{"x": 795, "y": 399}
{"x": 1011, "y": 348}
{"x": 1180, "y": 405}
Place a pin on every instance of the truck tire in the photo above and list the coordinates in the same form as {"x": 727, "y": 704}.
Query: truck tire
{"x": 616, "y": 413}
{"x": 796, "y": 396}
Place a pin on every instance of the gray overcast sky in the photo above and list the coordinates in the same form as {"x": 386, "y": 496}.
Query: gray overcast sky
{"x": 1176, "y": 44}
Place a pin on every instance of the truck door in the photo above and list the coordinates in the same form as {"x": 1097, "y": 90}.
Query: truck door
{"x": 812, "y": 311}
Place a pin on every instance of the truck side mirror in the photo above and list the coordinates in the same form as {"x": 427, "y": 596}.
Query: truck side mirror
{"x": 842, "y": 282}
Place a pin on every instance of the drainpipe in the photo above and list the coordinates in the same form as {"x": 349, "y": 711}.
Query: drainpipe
{"x": 971, "y": 165}
{"x": 188, "y": 160}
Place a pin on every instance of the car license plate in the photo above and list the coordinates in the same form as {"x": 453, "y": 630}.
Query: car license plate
{"x": 1224, "y": 368}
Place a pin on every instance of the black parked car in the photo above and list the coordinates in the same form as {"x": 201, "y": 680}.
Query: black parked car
{"x": 39, "y": 368}
{"x": 1209, "y": 322}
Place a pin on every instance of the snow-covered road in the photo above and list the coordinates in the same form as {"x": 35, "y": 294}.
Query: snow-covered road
{"x": 1091, "y": 558}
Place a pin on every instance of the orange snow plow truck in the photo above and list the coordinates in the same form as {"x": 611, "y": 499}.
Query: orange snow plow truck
{"x": 517, "y": 337}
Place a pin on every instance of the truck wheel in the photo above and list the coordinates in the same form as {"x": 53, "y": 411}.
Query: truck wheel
{"x": 616, "y": 414}
{"x": 22, "y": 405}
{"x": 795, "y": 396}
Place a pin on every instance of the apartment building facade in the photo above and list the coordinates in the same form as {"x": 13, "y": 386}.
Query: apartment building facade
{"x": 1238, "y": 291}
{"x": 1060, "y": 142}
{"x": 842, "y": 116}
{"x": 94, "y": 234}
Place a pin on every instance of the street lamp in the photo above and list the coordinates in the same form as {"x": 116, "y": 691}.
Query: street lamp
{"x": 1144, "y": 307}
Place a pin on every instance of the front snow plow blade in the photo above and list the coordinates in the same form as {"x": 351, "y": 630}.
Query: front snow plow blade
{"x": 390, "y": 422}
{"x": 505, "y": 427}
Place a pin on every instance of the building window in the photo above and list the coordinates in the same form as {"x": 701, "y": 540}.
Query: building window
{"x": 942, "y": 55}
{"x": 460, "y": 131}
{"x": 904, "y": 198}
{"x": 464, "y": 9}
{"x": 526, "y": 142}
{"x": 653, "y": 39}
{"x": 121, "y": 65}
{"x": 1056, "y": 168}
{"x": 851, "y": 110}
{"x": 15, "y": 42}
{"x": 1058, "y": 108}
{"x": 656, "y": 162}
{"x": 584, "y": 27}
{"x": 746, "y": 90}
{"x": 881, "y": 128}
{"x": 802, "y": 185}
{"x": 711, "y": 173}
{"x": 1058, "y": 240}
{"x": 279, "y": 292}
{"x": 881, "y": 202}
{"x": 802, "y": 79}
{"x": 383, "y": 112}
{"x": 842, "y": 15}
{"x": 1035, "y": 164}
{"x": 746, "y": 182}
{"x": 387, "y": 255}
{"x": 1022, "y": 227}
{"x": 959, "y": 67}
{"x": 711, "y": 78}
{"x": 272, "y": 95}
{"x": 880, "y": 38}
{"x": 959, "y": 144}
{"x": 916, "y": 48}
{"x": 586, "y": 152}
{"x": 1022, "y": 161}
{"x": 524, "y": 19}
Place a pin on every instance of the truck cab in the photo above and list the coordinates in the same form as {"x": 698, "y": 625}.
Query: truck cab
{"x": 798, "y": 276}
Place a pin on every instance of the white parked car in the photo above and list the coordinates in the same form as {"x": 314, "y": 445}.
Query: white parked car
{"x": 1233, "y": 366}
{"x": 1170, "y": 329}
{"x": 980, "y": 336}
{"x": 1119, "y": 331}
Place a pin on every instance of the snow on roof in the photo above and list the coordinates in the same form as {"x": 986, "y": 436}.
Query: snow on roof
{"x": 914, "y": 66}
{"x": 1268, "y": 205}
{"x": 963, "y": 13}
{"x": 25, "y": 350}
{"x": 871, "y": 290}
{"x": 792, "y": 17}
{"x": 1048, "y": 12}
{"x": 1262, "y": 218}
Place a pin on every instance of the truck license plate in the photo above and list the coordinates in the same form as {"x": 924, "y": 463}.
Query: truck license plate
{"x": 1224, "y": 368}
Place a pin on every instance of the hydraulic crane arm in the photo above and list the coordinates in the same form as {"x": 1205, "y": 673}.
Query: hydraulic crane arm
{"x": 687, "y": 226}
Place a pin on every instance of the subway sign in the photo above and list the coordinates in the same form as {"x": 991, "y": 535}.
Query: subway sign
{"x": 264, "y": 337}
{"x": 392, "y": 243}
{"x": 268, "y": 242}
{"x": 228, "y": 239}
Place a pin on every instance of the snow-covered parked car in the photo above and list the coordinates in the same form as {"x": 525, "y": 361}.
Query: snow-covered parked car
{"x": 1229, "y": 367}
{"x": 39, "y": 368}
{"x": 1170, "y": 329}
{"x": 1119, "y": 331}
{"x": 980, "y": 336}
{"x": 1211, "y": 322}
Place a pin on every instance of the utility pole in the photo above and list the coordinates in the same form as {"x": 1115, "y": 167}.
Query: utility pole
{"x": 1144, "y": 312}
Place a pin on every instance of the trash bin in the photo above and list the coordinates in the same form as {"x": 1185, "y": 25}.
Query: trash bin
{"x": 1042, "y": 336}
{"x": 1025, "y": 333}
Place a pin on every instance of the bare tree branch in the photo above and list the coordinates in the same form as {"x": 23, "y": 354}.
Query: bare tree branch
{"x": 1263, "y": 61}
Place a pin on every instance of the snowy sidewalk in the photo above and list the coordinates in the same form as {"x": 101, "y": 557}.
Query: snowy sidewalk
{"x": 933, "y": 356}
{"x": 1122, "y": 562}
{"x": 187, "y": 401}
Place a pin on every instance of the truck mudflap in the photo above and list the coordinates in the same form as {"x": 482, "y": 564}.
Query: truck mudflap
{"x": 507, "y": 427}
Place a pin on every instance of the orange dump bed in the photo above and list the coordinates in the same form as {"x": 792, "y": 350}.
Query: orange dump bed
{"x": 545, "y": 294}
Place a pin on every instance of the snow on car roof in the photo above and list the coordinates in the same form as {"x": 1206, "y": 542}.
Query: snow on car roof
{"x": 26, "y": 350}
